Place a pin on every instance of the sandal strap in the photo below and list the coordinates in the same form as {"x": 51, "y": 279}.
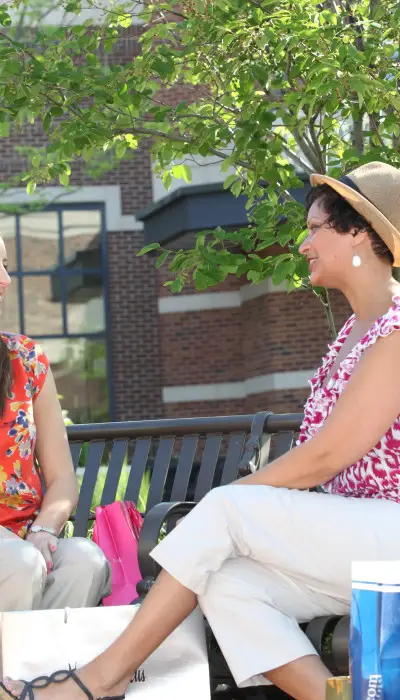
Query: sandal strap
{"x": 44, "y": 681}
{"x": 26, "y": 693}
{"x": 81, "y": 685}
{"x": 84, "y": 689}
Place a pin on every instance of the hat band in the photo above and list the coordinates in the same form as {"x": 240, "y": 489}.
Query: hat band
{"x": 350, "y": 183}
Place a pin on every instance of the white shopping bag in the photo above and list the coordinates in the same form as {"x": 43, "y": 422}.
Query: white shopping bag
{"x": 73, "y": 637}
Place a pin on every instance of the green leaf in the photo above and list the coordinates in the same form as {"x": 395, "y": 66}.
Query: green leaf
{"x": 131, "y": 141}
{"x": 47, "y": 122}
{"x": 31, "y": 187}
{"x": 91, "y": 59}
{"x": 229, "y": 181}
{"x": 282, "y": 270}
{"x": 64, "y": 179}
{"x": 148, "y": 249}
{"x": 12, "y": 67}
{"x": 301, "y": 237}
{"x": 176, "y": 286}
{"x": 162, "y": 258}
{"x": 162, "y": 67}
{"x": 182, "y": 172}
{"x": 4, "y": 129}
{"x": 167, "y": 179}
{"x": 74, "y": 6}
{"x": 56, "y": 111}
{"x": 236, "y": 188}
{"x": 125, "y": 20}
{"x": 121, "y": 149}
{"x": 5, "y": 18}
{"x": 254, "y": 276}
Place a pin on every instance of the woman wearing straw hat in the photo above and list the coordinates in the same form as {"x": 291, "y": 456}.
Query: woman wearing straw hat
{"x": 264, "y": 554}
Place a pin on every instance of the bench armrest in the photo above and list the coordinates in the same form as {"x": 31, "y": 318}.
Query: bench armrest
{"x": 161, "y": 513}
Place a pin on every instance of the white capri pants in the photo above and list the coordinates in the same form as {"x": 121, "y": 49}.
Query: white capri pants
{"x": 263, "y": 559}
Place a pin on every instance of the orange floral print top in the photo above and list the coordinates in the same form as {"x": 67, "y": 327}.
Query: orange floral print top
{"x": 20, "y": 482}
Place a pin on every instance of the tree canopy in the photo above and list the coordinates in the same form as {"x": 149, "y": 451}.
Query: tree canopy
{"x": 273, "y": 88}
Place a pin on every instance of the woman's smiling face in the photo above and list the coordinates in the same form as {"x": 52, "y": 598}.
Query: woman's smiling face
{"x": 328, "y": 252}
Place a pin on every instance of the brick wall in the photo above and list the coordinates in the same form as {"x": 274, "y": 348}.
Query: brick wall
{"x": 276, "y": 332}
{"x": 286, "y": 401}
{"x": 201, "y": 347}
{"x": 205, "y": 408}
{"x": 284, "y": 332}
{"x": 134, "y": 328}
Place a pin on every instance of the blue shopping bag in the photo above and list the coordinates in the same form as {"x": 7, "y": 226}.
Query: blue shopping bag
{"x": 375, "y": 630}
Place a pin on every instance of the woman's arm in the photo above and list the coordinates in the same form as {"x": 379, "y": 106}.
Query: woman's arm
{"x": 362, "y": 415}
{"x": 54, "y": 458}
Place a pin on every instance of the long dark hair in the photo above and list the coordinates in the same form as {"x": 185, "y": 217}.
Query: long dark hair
{"x": 6, "y": 375}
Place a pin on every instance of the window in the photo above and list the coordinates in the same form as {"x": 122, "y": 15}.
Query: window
{"x": 57, "y": 296}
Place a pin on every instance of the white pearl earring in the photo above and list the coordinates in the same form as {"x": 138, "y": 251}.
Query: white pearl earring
{"x": 356, "y": 260}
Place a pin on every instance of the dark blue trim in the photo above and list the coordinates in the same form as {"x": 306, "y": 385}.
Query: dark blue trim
{"x": 62, "y": 273}
{"x": 198, "y": 208}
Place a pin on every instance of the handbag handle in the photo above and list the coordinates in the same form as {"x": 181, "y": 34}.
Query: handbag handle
{"x": 250, "y": 460}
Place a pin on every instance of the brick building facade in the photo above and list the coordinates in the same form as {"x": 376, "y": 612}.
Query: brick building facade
{"x": 236, "y": 348}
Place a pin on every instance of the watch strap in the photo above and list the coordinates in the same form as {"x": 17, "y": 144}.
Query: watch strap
{"x": 41, "y": 528}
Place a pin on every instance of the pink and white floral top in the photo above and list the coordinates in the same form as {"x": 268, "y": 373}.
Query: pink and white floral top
{"x": 377, "y": 474}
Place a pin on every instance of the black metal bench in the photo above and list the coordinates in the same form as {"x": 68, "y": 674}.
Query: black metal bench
{"x": 179, "y": 461}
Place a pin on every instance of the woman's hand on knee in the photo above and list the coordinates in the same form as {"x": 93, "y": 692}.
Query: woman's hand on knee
{"x": 46, "y": 544}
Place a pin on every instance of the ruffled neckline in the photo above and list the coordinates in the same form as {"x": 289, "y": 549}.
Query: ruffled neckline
{"x": 316, "y": 383}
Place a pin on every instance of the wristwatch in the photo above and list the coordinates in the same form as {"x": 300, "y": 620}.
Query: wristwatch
{"x": 40, "y": 528}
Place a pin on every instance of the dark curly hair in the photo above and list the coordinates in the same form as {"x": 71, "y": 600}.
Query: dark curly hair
{"x": 342, "y": 217}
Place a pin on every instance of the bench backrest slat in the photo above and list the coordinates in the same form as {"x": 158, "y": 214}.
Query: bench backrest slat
{"x": 160, "y": 471}
{"x": 208, "y": 466}
{"x": 170, "y": 459}
{"x": 184, "y": 467}
{"x": 138, "y": 467}
{"x": 235, "y": 449}
{"x": 76, "y": 449}
{"x": 283, "y": 443}
{"x": 115, "y": 466}
{"x": 94, "y": 457}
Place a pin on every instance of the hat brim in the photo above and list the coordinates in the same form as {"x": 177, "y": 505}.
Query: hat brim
{"x": 383, "y": 227}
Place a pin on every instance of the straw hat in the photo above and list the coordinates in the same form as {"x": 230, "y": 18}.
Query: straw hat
{"x": 374, "y": 191}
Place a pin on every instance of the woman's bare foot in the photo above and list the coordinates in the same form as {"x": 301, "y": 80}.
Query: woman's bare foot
{"x": 69, "y": 690}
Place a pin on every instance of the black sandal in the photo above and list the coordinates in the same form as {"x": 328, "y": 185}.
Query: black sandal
{"x": 57, "y": 677}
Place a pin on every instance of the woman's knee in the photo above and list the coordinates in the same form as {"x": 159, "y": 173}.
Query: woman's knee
{"x": 82, "y": 555}
{"x": 79, "y": 550}
{"x": 217, "y": 496}
{"x": 22, "y": 576}
{"x": 28, "y": 562}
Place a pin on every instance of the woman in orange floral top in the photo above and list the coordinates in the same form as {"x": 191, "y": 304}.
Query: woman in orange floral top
{"x": 38, "y": 570}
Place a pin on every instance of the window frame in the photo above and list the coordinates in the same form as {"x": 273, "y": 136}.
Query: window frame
{"x": 62, "y": 273}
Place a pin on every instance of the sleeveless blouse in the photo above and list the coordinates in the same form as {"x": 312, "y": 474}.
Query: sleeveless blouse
{"x": 20, "y": 481}
{"x": 377, "y": 474}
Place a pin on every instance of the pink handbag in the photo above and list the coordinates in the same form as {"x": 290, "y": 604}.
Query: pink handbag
{"x": 116, "y": 531}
